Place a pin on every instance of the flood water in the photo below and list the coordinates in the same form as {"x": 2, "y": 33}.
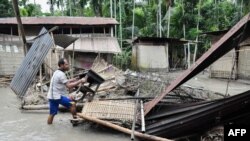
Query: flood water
{"x": 17, "y": 125}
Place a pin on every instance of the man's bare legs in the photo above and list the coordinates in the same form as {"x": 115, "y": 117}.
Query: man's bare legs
{"x": 73, "y": 109}
{"x": 50, "y": 119}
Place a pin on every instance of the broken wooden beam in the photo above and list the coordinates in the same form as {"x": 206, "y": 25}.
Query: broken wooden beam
{"x": 106, "y": 88}
{"x": 46, "y": 107}
{"x": 122, "y": 129}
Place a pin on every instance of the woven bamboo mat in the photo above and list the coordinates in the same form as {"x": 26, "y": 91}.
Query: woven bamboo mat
{"x": 110, "y": 110}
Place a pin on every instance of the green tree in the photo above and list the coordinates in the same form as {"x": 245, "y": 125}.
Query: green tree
{"x": 6, "y": 9}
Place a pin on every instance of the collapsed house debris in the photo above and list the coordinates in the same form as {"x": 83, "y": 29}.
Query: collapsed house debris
{"x": 178, "y": 120}
{"x": 5, "y": 80}
{"x": 177, "y": 112}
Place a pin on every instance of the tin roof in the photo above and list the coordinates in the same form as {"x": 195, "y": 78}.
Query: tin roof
{"x": 96, "y": 44}
{"x": 159, "y": 40}
{"x": 60, "y": 20}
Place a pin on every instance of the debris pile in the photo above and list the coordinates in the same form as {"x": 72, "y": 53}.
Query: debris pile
{"x": 5, "y": 80}
{"x": 119, "y": 89}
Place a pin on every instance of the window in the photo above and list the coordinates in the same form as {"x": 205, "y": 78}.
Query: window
{"x": 15, "y": 49}
{"x": 8, "y": 48}
{"x": 1, "y": 48}
{"x": 98, "y": 30}
{"x": 86, "y": 30}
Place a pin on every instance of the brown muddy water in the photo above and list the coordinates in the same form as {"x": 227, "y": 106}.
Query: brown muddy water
{"x": 17, "y": 125}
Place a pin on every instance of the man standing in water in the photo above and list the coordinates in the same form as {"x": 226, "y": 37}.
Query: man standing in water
{"x": 58, "y": 88}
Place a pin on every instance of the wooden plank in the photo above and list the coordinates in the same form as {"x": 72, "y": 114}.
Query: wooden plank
{"x": 122, "y": 129}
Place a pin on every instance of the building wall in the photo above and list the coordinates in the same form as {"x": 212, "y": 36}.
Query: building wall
{"x": 150, "y": 57}
{"x": 222, "y": 67}
{"x": 51, "y": 60}
{"x": 85, "y": 60}
{"x": 244, "y": 62}
{"x": 11, "y": 54}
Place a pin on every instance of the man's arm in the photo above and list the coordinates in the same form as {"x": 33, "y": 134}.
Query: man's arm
{"x": 72, "y": 80}
{"x": 75, "y": 83}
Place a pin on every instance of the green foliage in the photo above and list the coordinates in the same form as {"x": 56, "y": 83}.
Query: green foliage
{"x": 123, "y": 60}
{"x": 6, "y": 9}
{"x": 33, "y": 10}
{"x": 23, "y": 12}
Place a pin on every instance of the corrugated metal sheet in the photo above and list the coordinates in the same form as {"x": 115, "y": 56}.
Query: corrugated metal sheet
{"x": 179, "y": 120}
{"x": 64, "y": 40}
{"x": 97, "y": 45}
{"x": 33, "y": 60}
{"x": 61, "y": 20}
{"x": 229, "y": 41}
{"x": 61, "y": 40}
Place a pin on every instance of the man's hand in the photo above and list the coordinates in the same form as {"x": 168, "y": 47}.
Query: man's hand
{"x": 85, "y": 79}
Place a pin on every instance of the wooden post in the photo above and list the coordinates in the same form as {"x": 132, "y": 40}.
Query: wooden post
{"x": 189, "y": 54}
{"x": 73, "y": 60}
{"x": 41, "y": 79}
{"x": 142, "y": 118}
{"x": 122, "y": 129}
{"x": 50, "y": 64}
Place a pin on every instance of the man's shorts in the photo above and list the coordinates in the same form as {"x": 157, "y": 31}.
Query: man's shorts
{"x": 54, "y": 104}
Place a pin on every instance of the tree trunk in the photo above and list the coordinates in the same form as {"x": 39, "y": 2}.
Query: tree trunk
{"x": 169, "y": 18}
{"x": 160, "y": 18}
{"x": 120, "y": 13}
{"x": 52, "y": 7}
{"x": 133, "y": 21}
{"x": 184, "y": 35}
{"x": 197, "y": 28}
{"x": 20, "y": 26}
{"x": 111, "y": 9}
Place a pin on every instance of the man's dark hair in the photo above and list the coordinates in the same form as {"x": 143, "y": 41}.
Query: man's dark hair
{"x": 61, "y": 62}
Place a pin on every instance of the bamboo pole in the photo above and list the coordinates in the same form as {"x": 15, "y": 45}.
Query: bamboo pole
{"x": 46, "y": 107}
{"x": 122, "y": 129}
